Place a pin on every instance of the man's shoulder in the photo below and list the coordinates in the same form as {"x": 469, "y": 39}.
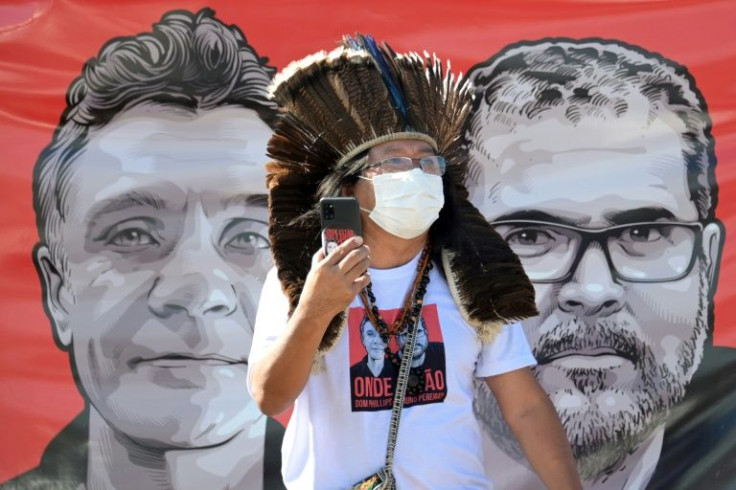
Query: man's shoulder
{"x": 358, "y": 369}
{"x": 435, "y": 355}
{"x": 700, "y": 428}
{"x": 39, "y": 479}
{"x": 435, "y": 349}
{"x": 63, "y": 464}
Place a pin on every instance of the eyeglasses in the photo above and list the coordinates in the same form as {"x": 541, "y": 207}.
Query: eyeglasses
{"x": 430, "y": 164}
{"x": 637, "y": 252}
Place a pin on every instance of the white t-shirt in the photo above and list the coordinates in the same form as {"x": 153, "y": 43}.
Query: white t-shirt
{"x": 338, "y": 431}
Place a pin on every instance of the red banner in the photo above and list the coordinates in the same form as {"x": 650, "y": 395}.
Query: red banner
{"x": 680, "y": 311}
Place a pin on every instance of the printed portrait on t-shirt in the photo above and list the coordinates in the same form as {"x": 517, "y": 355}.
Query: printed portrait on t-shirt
{"x": 375, "y": 362}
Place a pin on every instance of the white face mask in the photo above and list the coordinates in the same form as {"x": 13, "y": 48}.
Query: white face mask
{"x": 407, "y": 203}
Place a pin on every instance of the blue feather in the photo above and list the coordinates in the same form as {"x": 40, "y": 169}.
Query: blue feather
{"x": 366, "y": 42}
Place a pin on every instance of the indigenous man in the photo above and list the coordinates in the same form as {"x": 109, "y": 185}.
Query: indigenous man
{"x": 363, "y": 121}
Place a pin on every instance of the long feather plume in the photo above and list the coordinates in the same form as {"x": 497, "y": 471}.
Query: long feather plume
{"x": 382, "y": 62}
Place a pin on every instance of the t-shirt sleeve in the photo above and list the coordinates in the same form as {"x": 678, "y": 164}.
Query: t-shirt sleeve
{"x": 507, "y": 352}
{"x": 271, "y": 319}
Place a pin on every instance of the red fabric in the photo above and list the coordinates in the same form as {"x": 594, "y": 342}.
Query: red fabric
{"x": 43, "y": 45}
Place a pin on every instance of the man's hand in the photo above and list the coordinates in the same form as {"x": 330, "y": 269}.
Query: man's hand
{"x": 335, "y": 280}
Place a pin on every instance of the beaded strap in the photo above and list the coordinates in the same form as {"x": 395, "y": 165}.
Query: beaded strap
{"x": 408, "y": 320}
{"x": 402, "y": 381}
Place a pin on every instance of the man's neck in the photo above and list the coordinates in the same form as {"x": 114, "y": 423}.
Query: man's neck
{"x": 631, "y": 473}
{"x": 389, "y": 251}
{"x": 636, "y": 469}
{"x": 375, "y": 365}
{"x": 115, "y": 461}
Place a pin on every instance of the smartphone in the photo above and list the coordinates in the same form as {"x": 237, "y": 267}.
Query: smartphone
{"x": 340, "y": 217}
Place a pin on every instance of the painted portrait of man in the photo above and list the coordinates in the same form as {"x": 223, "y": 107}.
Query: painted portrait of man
{"x": 595, "y": 161}
{"x": 151, "y": 214}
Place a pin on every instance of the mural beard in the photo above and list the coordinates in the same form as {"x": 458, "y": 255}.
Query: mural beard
{"x": 605, "y": 419}
{"x": 602, "y": 435}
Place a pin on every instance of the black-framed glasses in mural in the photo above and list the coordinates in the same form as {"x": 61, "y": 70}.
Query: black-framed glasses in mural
{"x": 657, "y": 251}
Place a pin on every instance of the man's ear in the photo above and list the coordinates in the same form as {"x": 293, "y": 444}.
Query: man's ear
{"x": 55, "y": 297}
{"x": 713, "y": 238}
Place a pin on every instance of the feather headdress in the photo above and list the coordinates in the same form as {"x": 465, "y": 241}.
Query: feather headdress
{"x": 334, "y": 107}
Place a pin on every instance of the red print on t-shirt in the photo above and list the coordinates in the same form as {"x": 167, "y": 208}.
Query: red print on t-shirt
{"x": 373, "y": 370}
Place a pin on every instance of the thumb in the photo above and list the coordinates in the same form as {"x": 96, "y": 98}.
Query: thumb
{"x": 318, "y": 257}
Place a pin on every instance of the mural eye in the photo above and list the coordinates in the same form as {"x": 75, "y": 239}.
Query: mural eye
{"x": 534, "y": 241}
{"x": 132, "y": 237}
{"x": 530, "y": 237}
{"x": 642, "y": 234}
{"x": 248, "y": 242}
{"x": 530, "y": 240}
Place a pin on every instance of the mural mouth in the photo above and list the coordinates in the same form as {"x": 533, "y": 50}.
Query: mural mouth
{"x": 184, "y": 360}
{"x": 590, "y": 355}
{"x": 601, "y": 345}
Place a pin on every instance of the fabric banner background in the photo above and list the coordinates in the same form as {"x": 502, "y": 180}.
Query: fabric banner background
{"x": 44, "y": 43}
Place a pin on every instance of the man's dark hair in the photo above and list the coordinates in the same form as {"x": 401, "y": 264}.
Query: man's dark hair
{"x": 191, "y": 61}
{"x": 596, "y": 78}
{"x": 366, "y": 320}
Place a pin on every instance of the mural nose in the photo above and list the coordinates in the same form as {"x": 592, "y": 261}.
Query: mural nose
{"x": 592, "y": 291}
{"x": 195, "y": 291}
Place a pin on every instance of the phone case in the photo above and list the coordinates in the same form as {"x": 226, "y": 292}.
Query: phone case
{"x": 340, "y": 217}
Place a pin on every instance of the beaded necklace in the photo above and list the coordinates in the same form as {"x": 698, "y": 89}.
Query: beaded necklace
{"x": 407, "y": 318}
